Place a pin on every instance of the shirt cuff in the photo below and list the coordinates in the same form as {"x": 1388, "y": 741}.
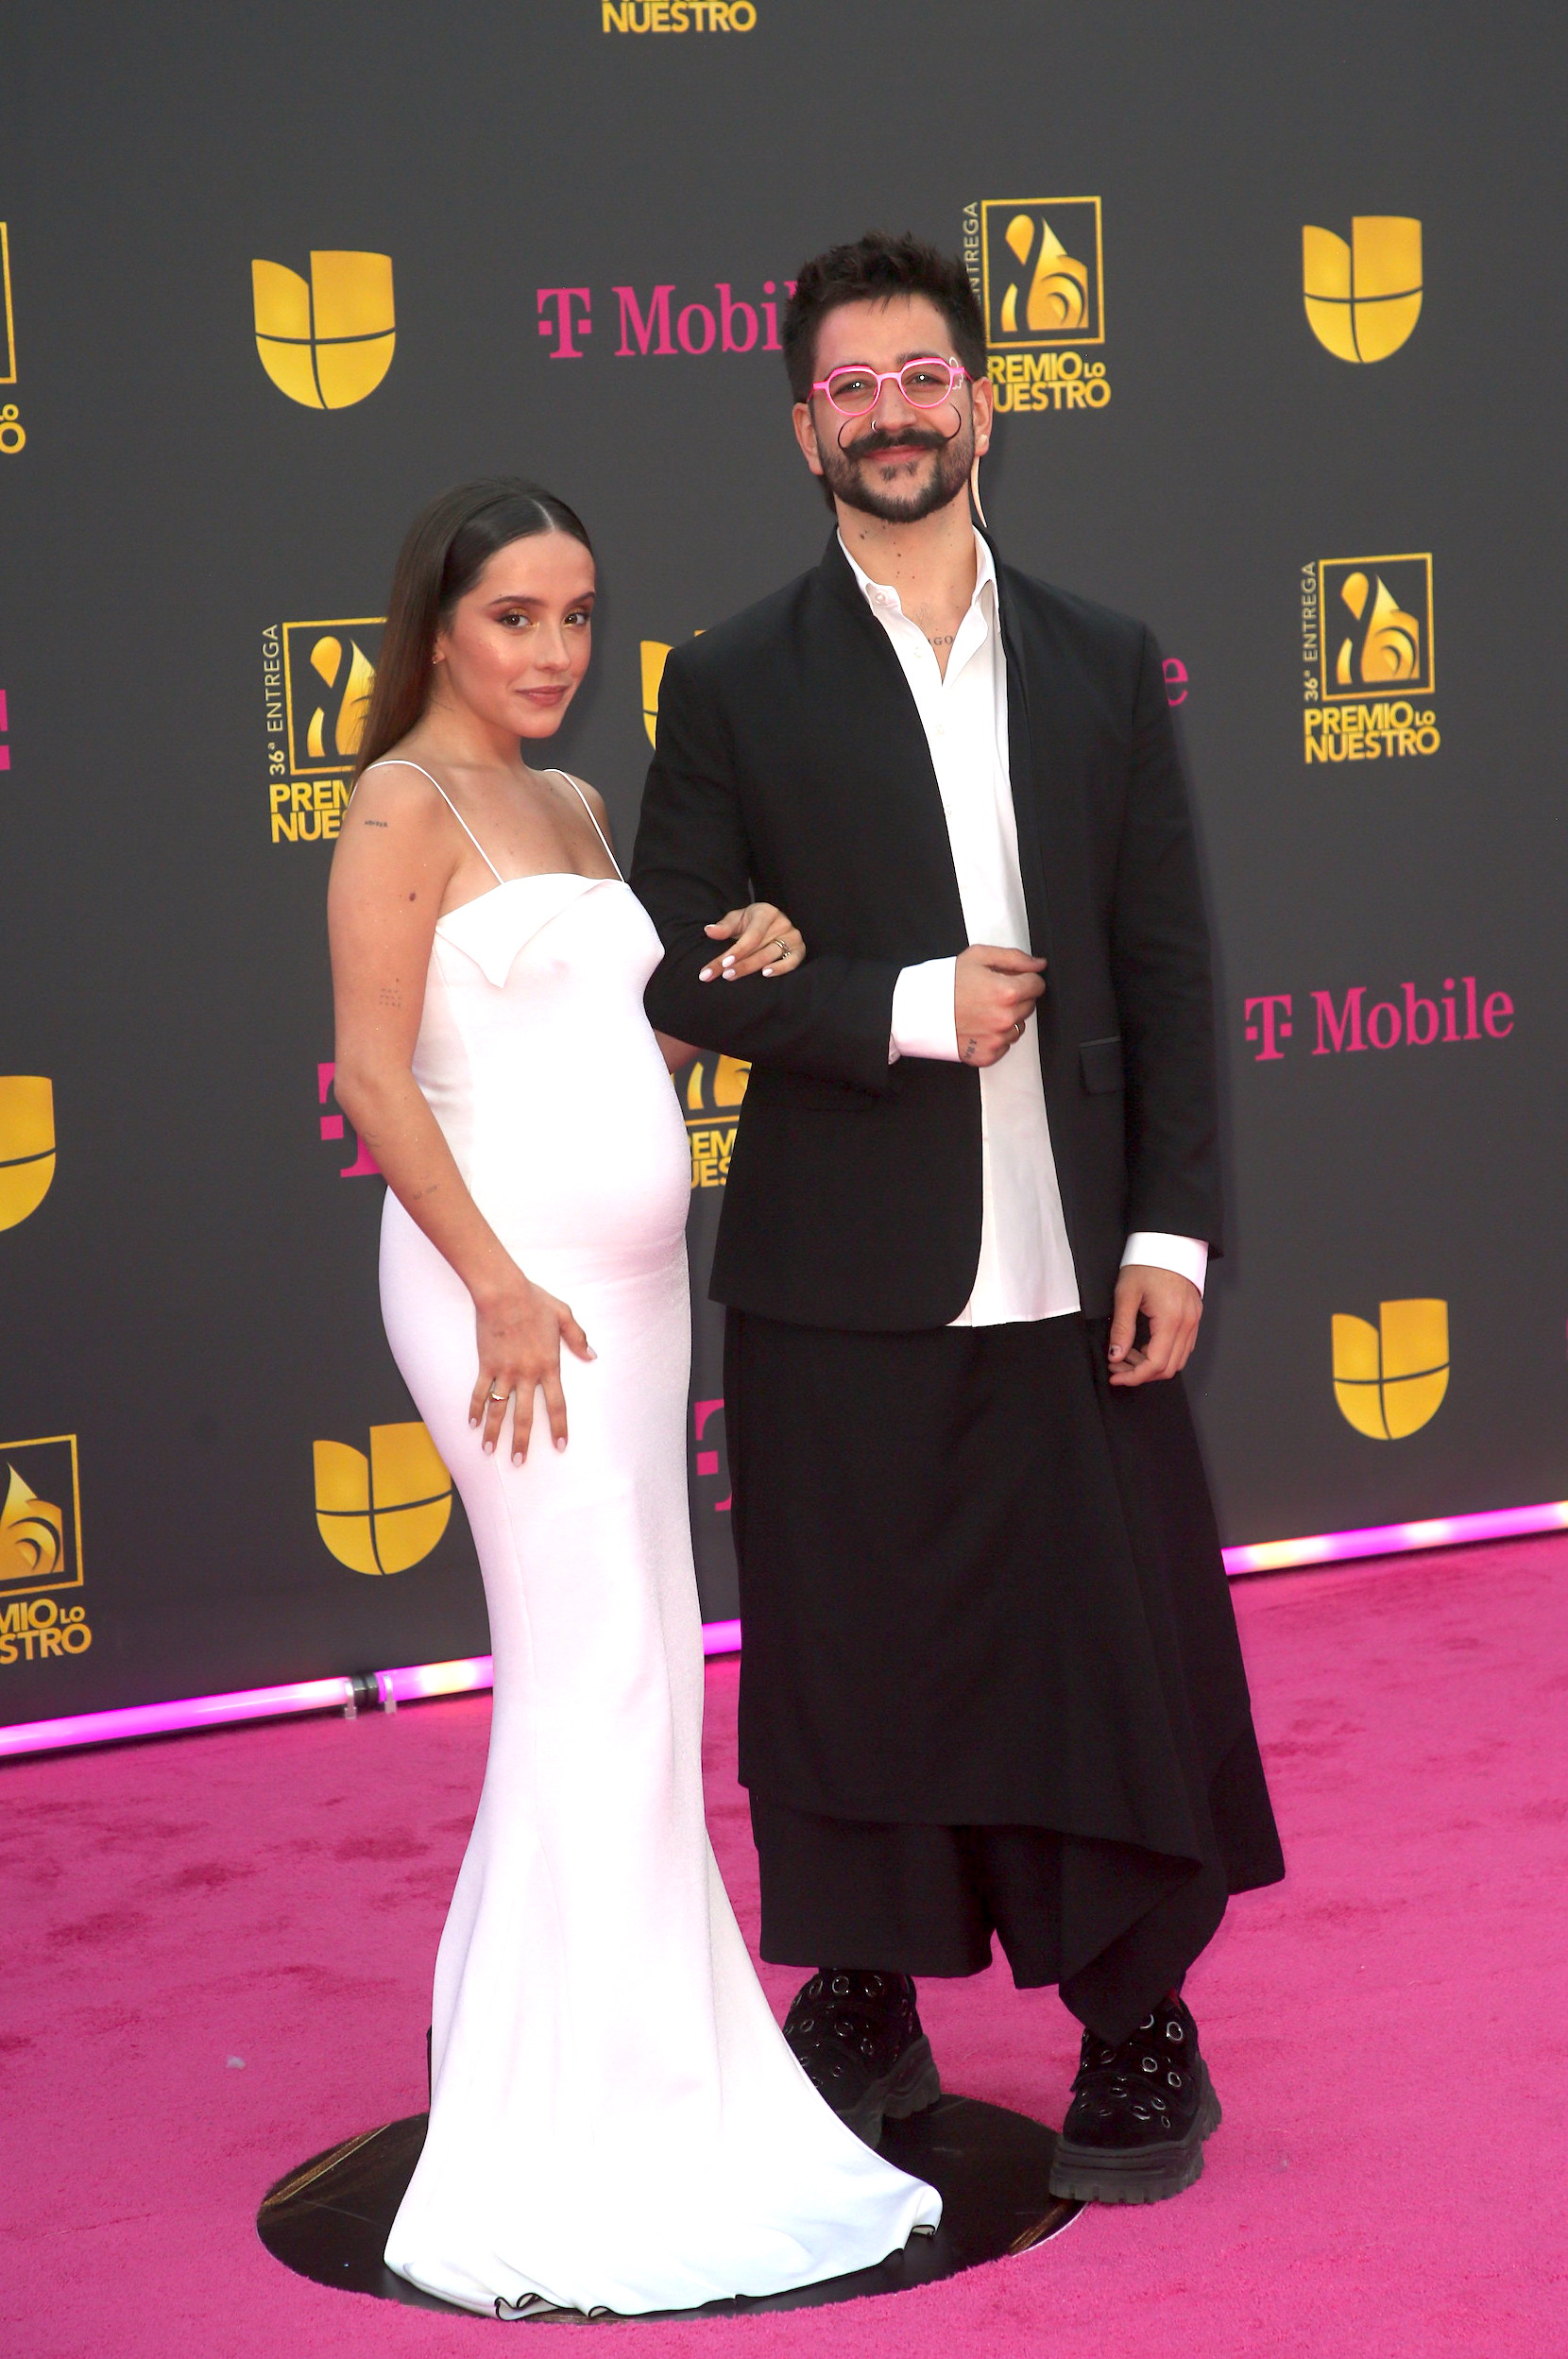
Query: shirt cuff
{"x": 1187, "y": 1256}
{"x": 923, "y": 1019}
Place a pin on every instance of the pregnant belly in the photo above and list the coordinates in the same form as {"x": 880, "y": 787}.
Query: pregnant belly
{"x": 592, "y": 1163}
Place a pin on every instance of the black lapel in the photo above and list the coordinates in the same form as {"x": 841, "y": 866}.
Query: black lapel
{"x": 1026, "y": 760}
{"x": 906, "y": 801}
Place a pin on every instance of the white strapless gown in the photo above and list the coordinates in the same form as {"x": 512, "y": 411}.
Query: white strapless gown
{"x": 616, "y": 2121}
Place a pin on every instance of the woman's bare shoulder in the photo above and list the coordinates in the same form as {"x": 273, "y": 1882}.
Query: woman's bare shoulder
{"x": 395, "y": 833}
{"x": 394, "y": 791}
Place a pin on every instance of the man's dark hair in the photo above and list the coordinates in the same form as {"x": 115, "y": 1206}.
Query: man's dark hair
{"x": 871, "y": 270}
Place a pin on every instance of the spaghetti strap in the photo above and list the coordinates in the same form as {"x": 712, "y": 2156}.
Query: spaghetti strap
{"x": 399, "y": 761}
{"x": 597, "y": 829}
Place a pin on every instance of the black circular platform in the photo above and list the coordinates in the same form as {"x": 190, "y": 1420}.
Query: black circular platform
{"x": 329, "y": 2219}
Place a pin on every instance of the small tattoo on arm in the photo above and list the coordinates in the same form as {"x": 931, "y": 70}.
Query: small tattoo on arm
{"x": 374, "y": 822}
{"x": 388, "y": 995}
{"x": 968, "y": 1049}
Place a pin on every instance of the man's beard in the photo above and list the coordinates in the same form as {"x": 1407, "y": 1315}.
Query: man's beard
{"x": 843, "y": 478}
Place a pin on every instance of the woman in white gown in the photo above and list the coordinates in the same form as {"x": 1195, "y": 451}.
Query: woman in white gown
{"x": 616, "y": 2122}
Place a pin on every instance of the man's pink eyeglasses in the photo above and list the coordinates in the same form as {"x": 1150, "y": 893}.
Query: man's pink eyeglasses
{"x": 855, "y": 391}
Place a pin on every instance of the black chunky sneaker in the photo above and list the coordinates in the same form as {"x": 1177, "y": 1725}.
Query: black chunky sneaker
{"x": 858, "y": 2037}
{"x": 1139, "y": 2116}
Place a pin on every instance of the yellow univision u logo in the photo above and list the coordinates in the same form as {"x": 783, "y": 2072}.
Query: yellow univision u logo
{"x": 381, "y": 1513}
{"x": 1390, "y": 1379}
{"x": 655, "y": 655}
{"x": 325, "y": 341}
{"x": 1363, "y": 298}
{"x": 27, "y": 1144}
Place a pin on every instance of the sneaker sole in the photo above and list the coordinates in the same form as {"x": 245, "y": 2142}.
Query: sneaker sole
{"x": 912, "y": 2085}
{"x": 1082, "y": 2174}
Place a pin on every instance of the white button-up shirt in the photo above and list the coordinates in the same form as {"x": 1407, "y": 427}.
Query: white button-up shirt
{"x": 1025, "y": 1269}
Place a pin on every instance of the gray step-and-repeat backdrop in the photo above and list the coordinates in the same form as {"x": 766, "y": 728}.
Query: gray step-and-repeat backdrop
{"x": 1272, "y": 298}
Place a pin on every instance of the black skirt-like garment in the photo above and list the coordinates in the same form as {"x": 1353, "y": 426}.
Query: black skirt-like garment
{"x": 991, "y": 1677}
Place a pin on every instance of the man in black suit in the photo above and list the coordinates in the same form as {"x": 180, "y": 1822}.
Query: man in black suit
{"x": 991, "y": 1682}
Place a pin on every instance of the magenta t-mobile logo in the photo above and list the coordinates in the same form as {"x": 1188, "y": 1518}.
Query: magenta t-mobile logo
{"x": 334, "y": 1126}
{"x": 661, "y": 328}
{"x": 709, "y": 1462}
{"x": 1353, "y": 1021}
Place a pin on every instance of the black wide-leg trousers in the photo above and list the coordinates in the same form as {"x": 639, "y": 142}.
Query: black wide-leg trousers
{"x": 990, "y": 1683}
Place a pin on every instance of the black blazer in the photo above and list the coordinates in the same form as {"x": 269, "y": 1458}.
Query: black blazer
{"x": 791, "y": 765}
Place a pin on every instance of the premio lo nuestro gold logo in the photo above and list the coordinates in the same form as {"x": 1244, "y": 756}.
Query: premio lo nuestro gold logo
{"x": 1037, "y": 266}
{"x": 327, "y": 678}
{"x": 678, "y": 16}
{"x": 316, "y": 679}
{"x": 714, "y": 1087}
{"x": 27, "y": 1144}
{"x": 1369, "y": 663}
{"x": 383, "y": 1513}
{"x": 1363, "y": 295}
{"x": 1390, "y": 1379}
{"x": 40, "y": 1551}
{"x": 325, "y": 341}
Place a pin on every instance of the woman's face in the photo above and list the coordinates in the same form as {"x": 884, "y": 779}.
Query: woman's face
{"x": 518, "y": 641}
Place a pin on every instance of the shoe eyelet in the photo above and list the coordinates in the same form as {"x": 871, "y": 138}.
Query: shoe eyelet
{"x": 840, "y": 1986}
{"x": 1174, "y": 2080}
{"x": 1174, "y": 2031}
{"x": 1149, "y": 2063}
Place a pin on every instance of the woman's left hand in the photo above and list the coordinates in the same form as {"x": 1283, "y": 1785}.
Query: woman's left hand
{"x": 763, "y": 941}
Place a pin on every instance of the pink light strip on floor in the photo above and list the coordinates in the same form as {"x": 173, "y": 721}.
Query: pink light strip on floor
{"x": 1440, "y": 1532}
{"x": 415, "y": 1681}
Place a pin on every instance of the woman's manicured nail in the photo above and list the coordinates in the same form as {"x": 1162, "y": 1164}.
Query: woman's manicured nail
{"x": 560, "y": 1442}
{"x": 592, "y": 1353}
{"x": 517, "y": 1457}
{"x": 489, "y": 1449}
{"x": 767, "y": 970}
{"x": 706, "y": 975}
{"x": 473, "y": 1421}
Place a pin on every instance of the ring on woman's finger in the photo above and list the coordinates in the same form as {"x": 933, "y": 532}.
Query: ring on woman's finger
{"x": 783, "y": 949}
{"x": 497, "y": 1396}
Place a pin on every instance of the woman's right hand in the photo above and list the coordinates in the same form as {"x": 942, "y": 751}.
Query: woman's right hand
{"x": 520, "y": 1330}
{"x": 763, "y": 938}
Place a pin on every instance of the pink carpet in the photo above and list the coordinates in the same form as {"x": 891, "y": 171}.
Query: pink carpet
{"x": 216, "y": 1952}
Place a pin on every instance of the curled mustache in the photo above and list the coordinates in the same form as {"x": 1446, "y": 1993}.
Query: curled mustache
{"x": 882, "y": 438}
